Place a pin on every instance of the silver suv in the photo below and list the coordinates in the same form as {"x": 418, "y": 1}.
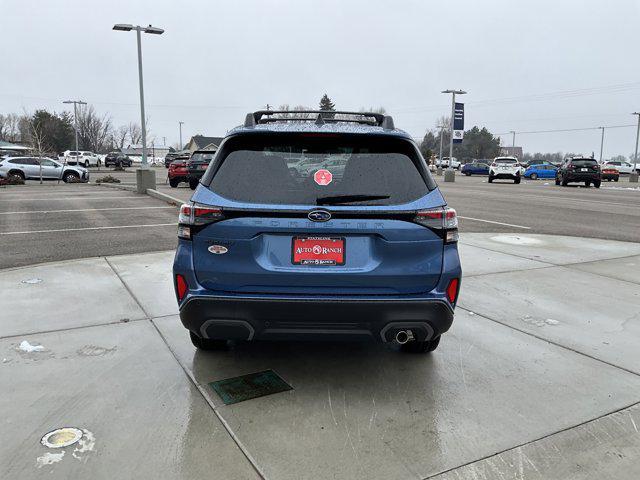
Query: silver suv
{"x": 28, "y": 168}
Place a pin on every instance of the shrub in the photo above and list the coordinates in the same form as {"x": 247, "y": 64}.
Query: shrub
{"x": 108, "y": 179}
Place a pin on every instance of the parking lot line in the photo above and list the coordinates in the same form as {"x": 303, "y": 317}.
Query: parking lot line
{"x": 496, "y": 223}
{"x": 89, "y": 228}
{"x": 87, "y": 210}
{"x": 131, "y": 197}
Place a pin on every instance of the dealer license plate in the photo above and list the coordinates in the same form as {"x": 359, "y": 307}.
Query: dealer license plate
{"x": 317, "y": 251}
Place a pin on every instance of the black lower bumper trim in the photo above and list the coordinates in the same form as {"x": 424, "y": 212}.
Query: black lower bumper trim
{"x": 248, "y": 318}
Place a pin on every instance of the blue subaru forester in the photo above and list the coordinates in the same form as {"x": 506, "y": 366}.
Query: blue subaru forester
{"x": 317, "y": 225}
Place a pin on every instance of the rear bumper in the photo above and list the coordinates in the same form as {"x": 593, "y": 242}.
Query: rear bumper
{"x": 277, "y": 318}
{"x": 499, "y": 175}
{"x": 581, "y": 177}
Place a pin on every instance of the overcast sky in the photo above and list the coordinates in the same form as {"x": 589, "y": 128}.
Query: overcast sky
{"x": 528, "y": 65}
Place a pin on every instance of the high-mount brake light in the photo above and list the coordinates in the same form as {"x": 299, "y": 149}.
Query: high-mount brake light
{"x": 443, "y": 221}
{"x": 195, "y": 215}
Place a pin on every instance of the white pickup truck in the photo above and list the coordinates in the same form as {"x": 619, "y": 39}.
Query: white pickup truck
{"x": 455, "y": 164}
{"x": 84, "y": 158}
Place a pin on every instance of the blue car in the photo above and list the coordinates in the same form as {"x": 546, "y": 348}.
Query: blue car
{"x": 475, "y": 168}
{"x": 363, "y": 246}
{"x": 542, "y": 170}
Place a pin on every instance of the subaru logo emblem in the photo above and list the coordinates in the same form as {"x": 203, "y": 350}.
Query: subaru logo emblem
{"x": 319, "y": 216}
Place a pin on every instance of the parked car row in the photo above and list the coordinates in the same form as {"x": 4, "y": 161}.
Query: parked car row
{"x": 31, "y": 168}
{"x": 188, "y": 167}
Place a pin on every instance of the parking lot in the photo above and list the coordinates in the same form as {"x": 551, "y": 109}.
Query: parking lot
{"x": 60, "y": 222}
{"x": 355, "y": 410}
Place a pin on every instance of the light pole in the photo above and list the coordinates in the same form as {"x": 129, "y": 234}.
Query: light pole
{"x": 75, "y": 120}
{"x": 513, "y": 141}
{"x": 634, "y": 175}
{"x": 180, "y": 124}
{"x": 156, "y": 31}
{"x": 601, "y": 142}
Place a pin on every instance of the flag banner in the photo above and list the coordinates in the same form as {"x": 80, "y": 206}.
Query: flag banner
{"x": 458, "y": 123}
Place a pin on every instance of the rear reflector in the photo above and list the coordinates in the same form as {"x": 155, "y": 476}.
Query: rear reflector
{"x": 181, "y": 287}
{"x": 452, "y": 290}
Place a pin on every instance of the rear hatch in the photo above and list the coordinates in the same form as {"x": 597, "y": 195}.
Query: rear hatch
{"x": 199, "y": 162}
{"x": 276, "y": 193}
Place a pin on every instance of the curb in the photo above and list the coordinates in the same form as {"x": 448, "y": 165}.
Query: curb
{"x": 164, "y": 197}
{"x": 119, "y": 186}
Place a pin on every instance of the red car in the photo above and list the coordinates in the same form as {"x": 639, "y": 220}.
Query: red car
{"x": 609, "y": 173}
{"x": 178, "y": 172}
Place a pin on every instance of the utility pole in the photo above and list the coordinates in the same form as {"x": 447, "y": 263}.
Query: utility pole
{"x": 180, "y": 125}
{"x": 75, "y": 120}
{"x": 601, "y": 143}
{"x": 164, "y": 141}
{"x": 513, "y": 141}
{"x": 633, "y": 177}
{"x": 453, "y": 112}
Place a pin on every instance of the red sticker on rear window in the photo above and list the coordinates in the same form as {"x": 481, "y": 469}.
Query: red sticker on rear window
{"x": 323, "y": 177}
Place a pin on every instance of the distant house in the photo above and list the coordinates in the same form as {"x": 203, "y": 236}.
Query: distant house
{"x": 511, "y": 152}
{"x": 200, "y": 142}
{"x": 7, "y": 148}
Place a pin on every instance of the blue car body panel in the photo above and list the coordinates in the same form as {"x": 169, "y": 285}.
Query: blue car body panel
{"x": 475, "y": 169}
{"x": 541, "y": 172}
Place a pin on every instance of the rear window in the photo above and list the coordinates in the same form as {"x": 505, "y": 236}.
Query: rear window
{"x": 505, "y": 160}
{"x": 308, "y": 169}
{"x": 202, "y": 157}
{"x": 584, "y": 162}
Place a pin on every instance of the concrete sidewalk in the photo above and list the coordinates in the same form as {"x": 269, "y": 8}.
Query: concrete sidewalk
{"x": 539, "y": 378}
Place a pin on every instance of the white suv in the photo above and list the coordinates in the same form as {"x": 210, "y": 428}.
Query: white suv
{"x": 86, "y": 159}
{"x": 505, "y": 167}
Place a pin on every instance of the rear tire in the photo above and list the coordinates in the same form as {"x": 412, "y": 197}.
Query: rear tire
{"x": 616, "y": 179}
{"x": 587, "y": 184}
{"x": 534, "y": 176}
{"x": 516, "y": 181}
{"x": 193, "y": 184}
{"x": 173, "y": 183}
{"x": 564, "y": 182}
{"x": 421, "y": 347}
{"x": 207, "y": 344}
{"x": 86, "y": 164}
{"x": 16, "y": 173}
{"x": 468, "y": 174}
{"x": 596, "y": 184}
{"x": 490, "y": 179}
{"x": 557, "y": 181}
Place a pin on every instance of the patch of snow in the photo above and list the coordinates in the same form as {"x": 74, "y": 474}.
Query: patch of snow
{"x": 32, "y": 281}
{"x": 516, "y": 240}
{"x": 49, "y": 458}
{"x": 27, "y": 347}
{"x": 551, "y": 321}
{"x": 546, "y": 183}
{"x": 85, "y": 444}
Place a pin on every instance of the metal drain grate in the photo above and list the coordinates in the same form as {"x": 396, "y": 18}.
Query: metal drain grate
{"x": 246, "y": 387}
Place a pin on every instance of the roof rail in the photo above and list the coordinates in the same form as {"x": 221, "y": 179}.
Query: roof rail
{"x": 319, "y": 117}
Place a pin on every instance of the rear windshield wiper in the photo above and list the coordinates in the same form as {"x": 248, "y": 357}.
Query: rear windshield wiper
{"x": 337, "y": 199}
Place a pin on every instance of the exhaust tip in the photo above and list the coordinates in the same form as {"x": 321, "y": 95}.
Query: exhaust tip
{"x": 403, "y": 336}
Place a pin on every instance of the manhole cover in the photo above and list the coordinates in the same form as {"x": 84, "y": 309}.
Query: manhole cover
{"x": 61, "y": 437}
{"x": 246, "y": 387}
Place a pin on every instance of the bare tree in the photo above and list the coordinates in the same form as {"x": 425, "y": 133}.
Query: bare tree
{"x": 120, "y": 136}
{"x": 94, "y": 130}
{"x": 135, "y": 133}
{"x": 12, "y": 127}
{"x": 37, "y": 139}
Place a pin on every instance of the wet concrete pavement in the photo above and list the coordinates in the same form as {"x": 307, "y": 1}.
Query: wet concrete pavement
{"x": 537, "y": 379}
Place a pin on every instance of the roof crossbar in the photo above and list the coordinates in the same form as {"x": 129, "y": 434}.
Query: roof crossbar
{"x": 319, "y": 117}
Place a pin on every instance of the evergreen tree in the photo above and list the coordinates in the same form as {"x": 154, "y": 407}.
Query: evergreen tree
{"x": 326, "y": 105}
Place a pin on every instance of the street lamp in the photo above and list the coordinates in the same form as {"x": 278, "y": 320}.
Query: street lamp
{"x": 125, "y": 27}
{"x": 634, "y": 175}
{"x": 75, "y": 120}
{"x": 180, "y": 124}
{"x": 453, "y": 112}
{"x": 513, "y": 142}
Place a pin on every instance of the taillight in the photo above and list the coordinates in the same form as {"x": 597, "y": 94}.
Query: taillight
{"x": 195, "y": 216}
{"x": 452, "y": 290}
{"x": 443, "y": 221}
{"x": 181, "y": 287}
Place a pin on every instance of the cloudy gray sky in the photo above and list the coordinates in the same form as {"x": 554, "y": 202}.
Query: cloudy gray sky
{"x": 528, "y": 65}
